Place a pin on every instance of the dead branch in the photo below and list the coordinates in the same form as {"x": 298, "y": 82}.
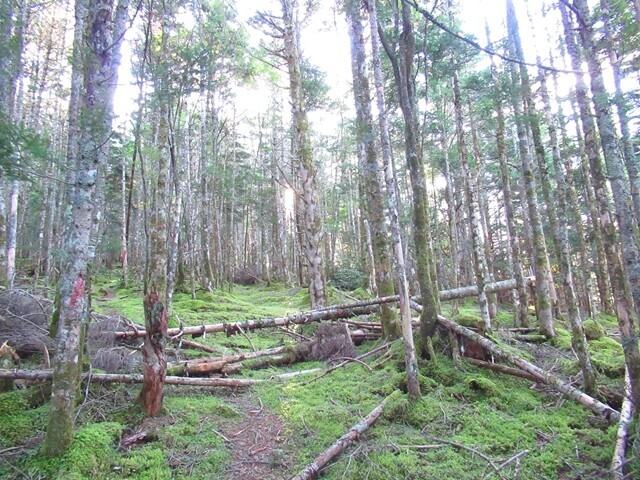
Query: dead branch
{"x": 475, "y": 452}
{"x": 334, "y": 450}
{"x": 626, "y": 414}
{"x": 496, "y": 367}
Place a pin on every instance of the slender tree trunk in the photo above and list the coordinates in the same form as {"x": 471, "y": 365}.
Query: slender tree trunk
{"x": 12, "y": 233}
{"x": 100, "y": 68}
{"x": 522, "y": 298}
{"x": 578, "y": 339}
{"x": 543, "y": 296}
{"x": 477, "y": 237}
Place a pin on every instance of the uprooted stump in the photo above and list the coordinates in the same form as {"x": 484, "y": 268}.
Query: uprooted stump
{"x": 332, "y": 341}
{"x": 24, "y": 322}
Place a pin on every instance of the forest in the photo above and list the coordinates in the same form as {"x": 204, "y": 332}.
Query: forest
{"x": 348, "y": 239}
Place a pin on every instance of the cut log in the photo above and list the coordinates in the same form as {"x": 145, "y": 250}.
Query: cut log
{"x": 334, "y": 450}
{"x": 601, "y": 409}
{"x": 626, "y": 414}
{"x": 496, "y": 367}
{"x": 237, "y": 327}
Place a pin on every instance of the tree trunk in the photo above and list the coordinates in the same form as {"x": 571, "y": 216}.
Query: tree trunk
{"x": 100, "y": 68}
{"x": 522, "y": 314}
{"x": 306, "y": 171}
{"x": 153, "y": 356}
{"x": 623, "y": 301}
{"x": 543, "y": 295}
{"x": 370, "y": 168}
{"x": 477, "y": 237}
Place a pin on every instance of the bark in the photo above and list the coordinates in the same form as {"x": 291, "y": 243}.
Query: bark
{"x": 623, "y": 301}
{"x": 541, "y": 261}
{"x": 100, "y": 73}
{"x": 302, "y": 151}
{"x": 12, "y": 233}
{"x": 248, "y": 325}
{"x": 153, "y": 355}
{"x": 477, "y": 237}
{"x": 370, "y": 168}
{"x": 343, "y": 442}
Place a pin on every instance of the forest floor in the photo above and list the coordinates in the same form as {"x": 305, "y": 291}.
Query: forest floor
{"x": 471, "y": 423}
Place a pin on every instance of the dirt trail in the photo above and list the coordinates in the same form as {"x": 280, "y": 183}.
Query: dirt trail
{"x": 257, "y": 440}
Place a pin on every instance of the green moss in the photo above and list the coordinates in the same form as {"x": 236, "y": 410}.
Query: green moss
{"x": 468, "y": 320}
{"x": 483, "y": 385}
{"x": 607, "y": 356}
{"x": 593, "y": 330}
{"x": 92, "y": 451}
{"x": 562, "y": 340}
{"x": 18, "y": 420}
{"x": 146, "y": 463}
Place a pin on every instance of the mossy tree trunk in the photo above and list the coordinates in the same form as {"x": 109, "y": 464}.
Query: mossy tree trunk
{"x": 370, "y": 168}
{"x": 403, "y": 70}
{"x": 303, "y": 153}
{"x": 101, "y": 43}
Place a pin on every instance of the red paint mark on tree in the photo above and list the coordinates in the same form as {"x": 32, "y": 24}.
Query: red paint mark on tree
{"x": 78, "y": 291}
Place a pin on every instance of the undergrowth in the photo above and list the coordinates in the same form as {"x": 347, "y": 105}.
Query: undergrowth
{"x": 466, "y": 416}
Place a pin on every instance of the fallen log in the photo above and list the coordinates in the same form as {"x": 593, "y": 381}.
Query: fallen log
{"x": 216, "y": 364}
{"x": 236, "y": 327}
{"x": 626, "y": 414}
{"x": 126, "y": 378}
{"x": 496, "y": 367}
{"x": 334, "y": 450}
{"x": 547, "y": 378}
{"x": 472, "y": 290}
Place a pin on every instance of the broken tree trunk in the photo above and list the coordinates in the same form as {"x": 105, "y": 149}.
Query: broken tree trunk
{"x": 153, "y": 355}
{"x": 472, "y": 290}
{"x": 237, "y": 327}
{"x": 547, "y": 378}
{"x": 596, "y": 406}
{"x": 334, "y": 450}
{"x": 626, "y": 414}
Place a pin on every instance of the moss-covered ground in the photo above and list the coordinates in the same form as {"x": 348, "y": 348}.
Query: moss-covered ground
{"x": 471, "y": 423}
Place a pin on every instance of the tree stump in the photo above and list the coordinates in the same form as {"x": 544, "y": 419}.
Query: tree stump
{"x": 153, "y": 354}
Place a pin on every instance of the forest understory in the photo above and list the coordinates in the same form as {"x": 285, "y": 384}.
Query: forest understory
{"x": 471, "y": 423}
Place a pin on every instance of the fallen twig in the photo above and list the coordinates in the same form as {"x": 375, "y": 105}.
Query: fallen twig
{"x": 472, "y": 450}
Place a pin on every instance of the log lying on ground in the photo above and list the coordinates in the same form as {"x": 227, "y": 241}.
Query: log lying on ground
{"x": 547, "y": 378}
{"x": 496, "y": 367}
{"x": 237, "y": 327}
{"x": 124, "y": 378}
{"x": 626, "y": 414}
{"x": 472, "y": 290}
{"x": 334, "y": 450}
